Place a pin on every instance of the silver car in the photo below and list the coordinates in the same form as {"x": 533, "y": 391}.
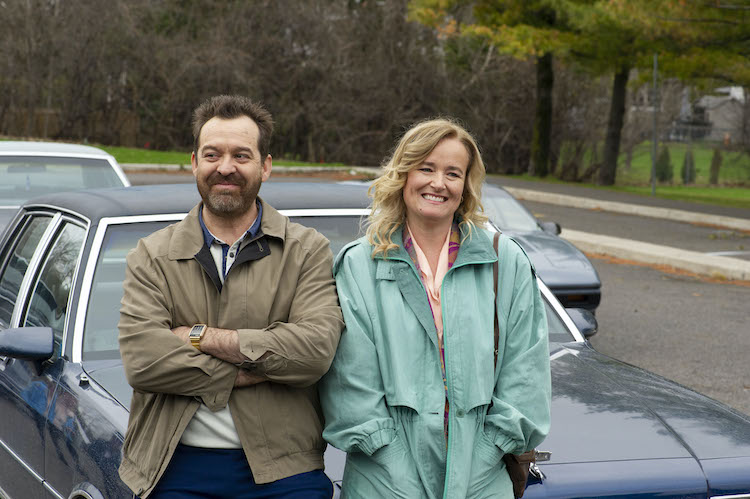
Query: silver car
{"x": 30, "y": 169}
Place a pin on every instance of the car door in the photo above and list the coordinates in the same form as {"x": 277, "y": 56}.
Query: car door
{"x": 36, "y": 281}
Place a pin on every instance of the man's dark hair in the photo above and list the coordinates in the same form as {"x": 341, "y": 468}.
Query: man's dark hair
{"x": 234, "y": 106}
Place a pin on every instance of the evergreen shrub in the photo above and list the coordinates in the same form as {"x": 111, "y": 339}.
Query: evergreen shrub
{"x": 687, "y": 173}
{"x": 664, "y": 170}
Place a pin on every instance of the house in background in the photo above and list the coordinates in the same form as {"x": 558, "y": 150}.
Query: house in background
{"x": 717, "y": 117}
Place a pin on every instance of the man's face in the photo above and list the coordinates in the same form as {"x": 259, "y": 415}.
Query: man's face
{"x": 228, "y": 167}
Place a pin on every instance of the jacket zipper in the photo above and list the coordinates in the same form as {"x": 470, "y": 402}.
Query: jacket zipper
{"x": 448, "y": 474}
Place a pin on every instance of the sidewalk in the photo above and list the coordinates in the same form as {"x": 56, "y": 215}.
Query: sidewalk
{"x": 621, "y": 197}
{"x": 720, "y": 267}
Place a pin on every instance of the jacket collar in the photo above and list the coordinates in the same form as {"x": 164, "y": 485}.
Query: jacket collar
{"x": 476, "y": 248}
{"x": 187, "y": 240}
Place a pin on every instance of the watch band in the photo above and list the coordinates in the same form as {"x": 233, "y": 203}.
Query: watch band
{"x": 196, "y": 335}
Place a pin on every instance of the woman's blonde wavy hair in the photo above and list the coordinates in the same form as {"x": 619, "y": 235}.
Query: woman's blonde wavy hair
{"x": 388, "y": 211}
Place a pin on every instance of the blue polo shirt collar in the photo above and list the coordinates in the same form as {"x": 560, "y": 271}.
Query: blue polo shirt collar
{"x": 209, "y": 238}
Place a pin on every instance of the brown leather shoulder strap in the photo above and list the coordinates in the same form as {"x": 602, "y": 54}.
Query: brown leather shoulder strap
{"x": 494, "y": 276}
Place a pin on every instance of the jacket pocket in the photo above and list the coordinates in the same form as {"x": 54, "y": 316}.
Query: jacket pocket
{"x": 389, "y": 473}
{"x": 295, "y": 423}
{"x": 488, "y": 477}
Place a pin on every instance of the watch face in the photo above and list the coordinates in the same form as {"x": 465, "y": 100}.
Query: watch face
{"x": 196, "y": 331}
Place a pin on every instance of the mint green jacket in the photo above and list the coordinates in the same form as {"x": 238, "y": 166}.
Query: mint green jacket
{"x": 384, "y": 397}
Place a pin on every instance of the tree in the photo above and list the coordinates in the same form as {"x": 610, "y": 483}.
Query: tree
{"x": 523, "y": 28}
{"x": 702, "y": 42}
{"x": 607, "y": 43}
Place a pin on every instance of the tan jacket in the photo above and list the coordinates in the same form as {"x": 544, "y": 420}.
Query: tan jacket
{"x": 279, "y": 294}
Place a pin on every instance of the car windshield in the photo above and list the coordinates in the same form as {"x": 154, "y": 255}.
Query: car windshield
{"x": 100, "y": 330}
{"x": 506, "y": 212}
{"x": 25, "y": 177}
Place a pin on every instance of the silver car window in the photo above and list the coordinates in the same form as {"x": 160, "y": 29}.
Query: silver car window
{"x": 17, "y": 263}
{"x": 25, "y": 177}
{"x": 49, "y": 301}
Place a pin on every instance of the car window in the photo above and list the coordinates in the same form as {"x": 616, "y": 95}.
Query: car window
{"x": 103, "y": 311}
{"x": 49, "y": 302}
{"x": 25, "y": 177}
{"x": 17, "y": 263}
{"x": 506, "y": 212}
{"x": 100, "y": 330}
{"x": 340, "y": 230}
{"x": 558, "y": 332}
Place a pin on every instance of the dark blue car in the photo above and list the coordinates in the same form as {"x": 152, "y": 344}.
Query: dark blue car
{"x": 617, "y": 431}
{"x": 564, "y": 268}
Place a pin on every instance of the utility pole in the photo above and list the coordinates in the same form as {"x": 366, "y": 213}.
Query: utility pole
{"x": 655, "y": 139}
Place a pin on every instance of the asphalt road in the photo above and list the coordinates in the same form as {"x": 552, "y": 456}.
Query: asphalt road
{"x": 691, "y": 331}
{"x": 688, "y": 330}
{"x": 711, "y": 240}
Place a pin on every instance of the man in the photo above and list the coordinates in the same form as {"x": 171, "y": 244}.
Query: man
{"x": 228, "y": 320}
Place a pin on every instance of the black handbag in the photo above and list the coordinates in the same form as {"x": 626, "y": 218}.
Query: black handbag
{"x": 518, "y": 465}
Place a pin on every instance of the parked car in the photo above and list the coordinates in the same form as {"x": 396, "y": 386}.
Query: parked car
{"x": 617, "y": 430}
{"x": 30, "y": 169}
{"x": 562, "y": 266}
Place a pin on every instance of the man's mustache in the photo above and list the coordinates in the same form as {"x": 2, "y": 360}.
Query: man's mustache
{"x": 232, "y": 178}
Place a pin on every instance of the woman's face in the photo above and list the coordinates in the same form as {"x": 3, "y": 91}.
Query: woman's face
{"x": 433, "y": 190}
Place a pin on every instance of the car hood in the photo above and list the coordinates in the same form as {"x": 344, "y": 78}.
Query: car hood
{"x": 625, "y": 413}
{"x": 558, "y": 263}
{"x": 620, "y": 431}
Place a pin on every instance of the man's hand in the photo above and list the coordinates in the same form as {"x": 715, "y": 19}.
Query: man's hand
{"x": 244, "y": 378}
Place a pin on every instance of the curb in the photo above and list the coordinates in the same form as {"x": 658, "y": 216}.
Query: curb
{"x": 631, "y": 209}
{"x": 353, "y": 170}
{"x": 717, "y": 267}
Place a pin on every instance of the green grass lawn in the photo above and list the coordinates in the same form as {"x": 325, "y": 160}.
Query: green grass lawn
{"x": 735, "y": 171}
{"x": 150, "y": 156}
{"x": 738, "y": 197}
{"x": 734, "y": 176}
{"x": 735, "y": 167}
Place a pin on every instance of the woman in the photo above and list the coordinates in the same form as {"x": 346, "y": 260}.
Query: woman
{"x": 412, "y": 395}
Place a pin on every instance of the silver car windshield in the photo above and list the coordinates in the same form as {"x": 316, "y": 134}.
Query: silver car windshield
{"x": 25, "y": 177}
{"x": 100, "y": 329}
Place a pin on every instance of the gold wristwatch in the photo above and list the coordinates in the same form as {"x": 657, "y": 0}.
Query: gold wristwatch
{"x": 196, "y": 334}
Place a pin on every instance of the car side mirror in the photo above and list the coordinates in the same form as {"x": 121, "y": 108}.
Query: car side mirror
{"x": 551, "y": 227}
{"x": 584, "y": 320}
{"x": 30, "y": 343}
